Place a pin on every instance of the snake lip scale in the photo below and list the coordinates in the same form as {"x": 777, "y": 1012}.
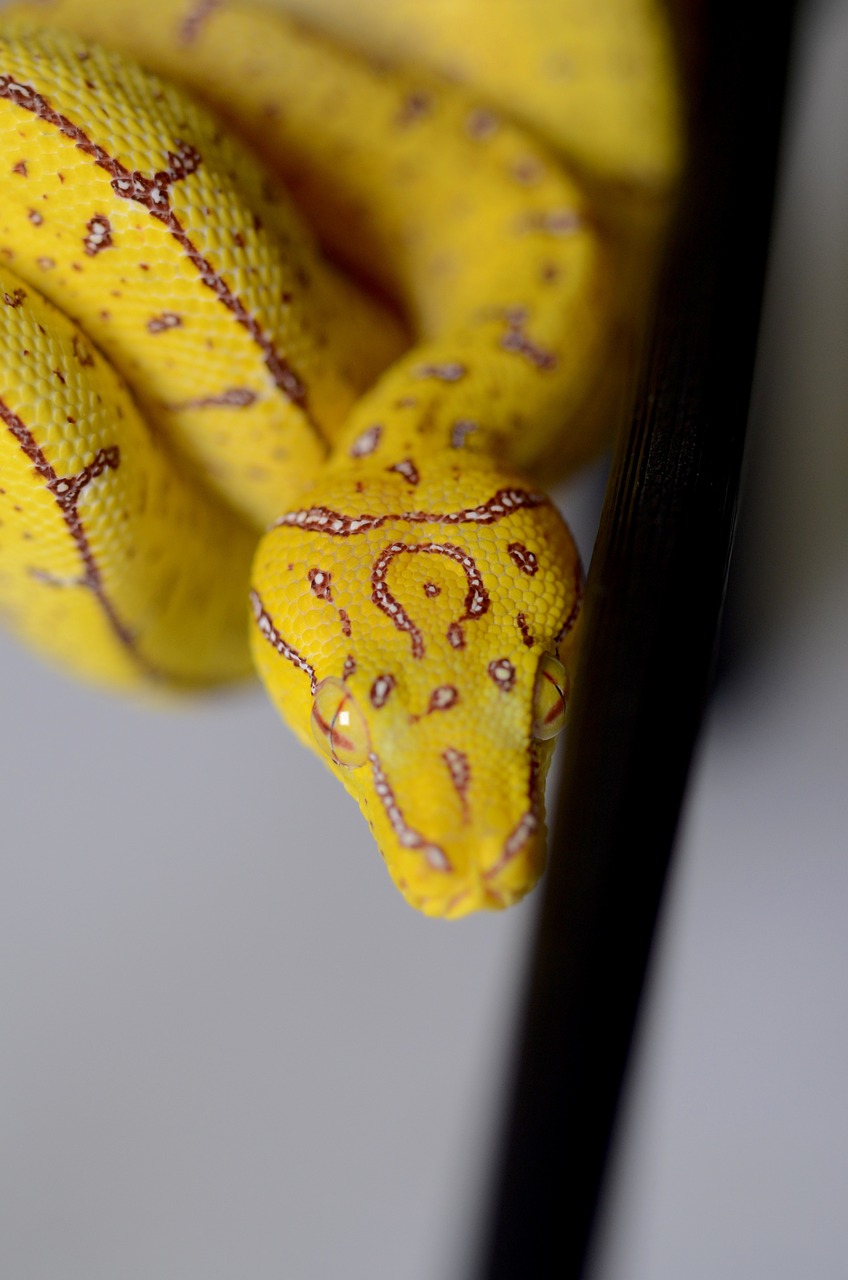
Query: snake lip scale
{"x": 221, "y": 452}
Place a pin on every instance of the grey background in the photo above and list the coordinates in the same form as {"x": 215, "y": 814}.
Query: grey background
{"x": 228, "y": 1049}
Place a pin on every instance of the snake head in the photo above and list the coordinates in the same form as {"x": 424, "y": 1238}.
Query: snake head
{"x": 424, "y": 649}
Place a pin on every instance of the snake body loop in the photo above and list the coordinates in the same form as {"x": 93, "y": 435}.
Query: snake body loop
{"x": 182, "y": 367}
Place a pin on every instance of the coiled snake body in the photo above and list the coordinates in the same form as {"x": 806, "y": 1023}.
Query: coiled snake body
{"x": 181, "y": 368}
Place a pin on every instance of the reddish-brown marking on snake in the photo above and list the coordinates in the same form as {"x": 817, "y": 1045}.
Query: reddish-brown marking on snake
{"x": 503, "y": 673}
{"x": 320, "y": 582}
{"x": 166, "y": 320}
{"x": 461, "y": 429}
{"x": 516, "y": 340}
{"x": 99, "y": 236}
{"x": 476, "y": 598}
{"x": 326, "y": 520}
{"x": 523, "y": 558}
{"x": 15, "y": 298}
{"x": 448, "y": 371}
{"x": 380, "y": 690}
{"x": 407, "y": 469}
{"x": 153, "y": 193}
{"x": 82, "y": 354}
{"x": 526, "y": 170}
{"x": 460, "y": 775}
{"x": 416, "y": 105}
{"x": 66, "y": 491}
{"x": 272, "y": 635}
{"x": 48, "y": 579}
{"x": 189, "y": 28}
{"x": 407, "y": 836}
{"x": 366, "y": 442}
{"x": 456, "y": 636}
{"x": 526, "y": 635}
{"x": 557, "y": 222}
{"x": 232, "y": 398}
{"x": 481, "y": 124}
{"x": 528, "y": 824}
{"x": 443, "y": 698}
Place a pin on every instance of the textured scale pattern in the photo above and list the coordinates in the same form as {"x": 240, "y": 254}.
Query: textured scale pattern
{"x": 107, "y": 496}
{"x": 180, "y": 367}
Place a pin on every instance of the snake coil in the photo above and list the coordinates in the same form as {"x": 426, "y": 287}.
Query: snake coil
{"x": 220, "y": 440}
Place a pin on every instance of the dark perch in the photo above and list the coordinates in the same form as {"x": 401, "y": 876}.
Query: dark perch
{"x": 654, "y": 599}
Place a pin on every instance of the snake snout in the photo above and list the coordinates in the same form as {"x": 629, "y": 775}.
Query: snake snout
{"x": 496, "y": 877}
{"x": 464, "y": 849}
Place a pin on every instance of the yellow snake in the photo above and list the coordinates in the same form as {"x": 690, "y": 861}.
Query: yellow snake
{"x": 183, "y": 365}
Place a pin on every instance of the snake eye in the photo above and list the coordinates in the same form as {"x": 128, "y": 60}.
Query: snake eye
{"x": 338, "y": 725}
{"x": 549, "y": 699}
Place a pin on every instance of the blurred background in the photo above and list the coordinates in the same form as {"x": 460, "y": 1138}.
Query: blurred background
{"x": 227, "y": 1047}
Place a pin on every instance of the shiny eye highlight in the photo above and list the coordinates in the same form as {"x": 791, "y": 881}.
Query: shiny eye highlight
{"x": 549, "y": 699}
{"x": 338, "y": 725}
